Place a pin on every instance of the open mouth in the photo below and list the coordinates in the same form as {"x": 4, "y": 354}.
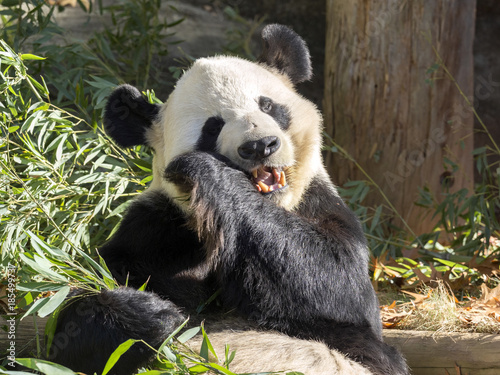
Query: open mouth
{"x": 268, "y": 179}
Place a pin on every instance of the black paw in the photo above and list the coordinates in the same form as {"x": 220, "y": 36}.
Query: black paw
{"x": 200, "y": 168}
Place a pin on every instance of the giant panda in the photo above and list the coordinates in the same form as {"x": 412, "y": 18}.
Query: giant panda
{"x": 240, "y": 205}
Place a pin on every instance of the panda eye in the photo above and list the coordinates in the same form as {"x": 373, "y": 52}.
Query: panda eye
{"x": 265, "y": 104}
{"x": 279, "y": 112}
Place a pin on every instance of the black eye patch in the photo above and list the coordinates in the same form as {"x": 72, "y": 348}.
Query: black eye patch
{"x": 279, "y": 112}
{"x": 209, "y": 134}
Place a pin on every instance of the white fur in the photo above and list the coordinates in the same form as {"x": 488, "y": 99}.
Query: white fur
{"x": 230, "y": 87}
{"x": 258, "y": 351}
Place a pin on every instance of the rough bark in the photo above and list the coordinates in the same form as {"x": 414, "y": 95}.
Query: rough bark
{"x": 380, "y": 106}
{"x": 487, "y": 76}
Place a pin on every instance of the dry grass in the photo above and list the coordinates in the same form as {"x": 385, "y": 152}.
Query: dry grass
{"x": 437, "y": 309}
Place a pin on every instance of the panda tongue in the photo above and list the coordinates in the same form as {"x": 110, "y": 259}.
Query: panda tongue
{"x": 265, "y": 176}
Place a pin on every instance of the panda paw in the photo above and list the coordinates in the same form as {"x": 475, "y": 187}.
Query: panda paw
{"x": 203, "y": 169}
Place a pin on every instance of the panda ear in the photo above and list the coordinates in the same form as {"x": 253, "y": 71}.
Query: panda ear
{"x": 128, "y": 116}
{"x": 287, "y": 52}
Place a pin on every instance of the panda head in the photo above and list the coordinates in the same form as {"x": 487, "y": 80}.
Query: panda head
{"x": 246, "y": 111}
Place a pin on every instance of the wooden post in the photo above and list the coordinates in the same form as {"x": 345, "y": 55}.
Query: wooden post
{"x": 382, "y": 109}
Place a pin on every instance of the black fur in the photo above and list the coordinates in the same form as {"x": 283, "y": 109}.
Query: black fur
{"x": 264, "y": 273}
{"x": 304, "y": 273}
{"x": 287, "y": 52}
{"x": 128, "y": 115}
{"x": 91, "y": 327}
{"x": 209, "y": 134}
{"x": 279, "y": 112}
{"x": 154, "y": 244}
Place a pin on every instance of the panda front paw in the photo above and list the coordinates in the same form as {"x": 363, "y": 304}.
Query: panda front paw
{"x": 180, "y": 171}
{"x": 203, "y": 169}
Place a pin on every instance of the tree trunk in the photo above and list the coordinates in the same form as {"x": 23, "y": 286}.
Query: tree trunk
{"x": 384, "y": 106}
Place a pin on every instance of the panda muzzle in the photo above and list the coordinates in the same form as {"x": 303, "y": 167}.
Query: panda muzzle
{"x": 268, "y": 179}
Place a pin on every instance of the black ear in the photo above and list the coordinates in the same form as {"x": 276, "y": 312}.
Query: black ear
{"x": 287, "y": 52}
{"x": 128, "y": 115}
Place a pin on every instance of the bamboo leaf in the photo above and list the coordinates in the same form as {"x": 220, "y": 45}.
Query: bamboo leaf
{"x": 46, "y": 367}
{"x": 206, "y": 346}
{"x": 189, "y": 334}
{"x": 41, "y": 247}
{"x": 36, "y": 306}
{"x": 29, "y": 56}
{"x": 42, "y": 269}
{"x": 54, "y": 302}
{"x": 94, "y": 264}
{"x": 172, "y": 335}
{"x": 168, "y": 353}
{"x": 39, "y": 286}
{"x": 376, "y": 218}
{"x": 115, "y": 356}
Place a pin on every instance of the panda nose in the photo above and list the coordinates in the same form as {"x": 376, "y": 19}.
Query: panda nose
{"x": 256, "y": 150}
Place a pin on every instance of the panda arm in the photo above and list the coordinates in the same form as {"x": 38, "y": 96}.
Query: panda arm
{"x": 154, "y": 245}
{"x": 278, "y": 266}
{"x": 304, "y": 273}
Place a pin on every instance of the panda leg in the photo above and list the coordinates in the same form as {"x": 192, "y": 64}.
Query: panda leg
{"x": 91, "y": 327}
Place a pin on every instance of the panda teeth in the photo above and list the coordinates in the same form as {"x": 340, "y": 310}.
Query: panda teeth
{"x": 282, "y": 179}
{"x": 259, "y": 175}
{"x": 263, "y": 187}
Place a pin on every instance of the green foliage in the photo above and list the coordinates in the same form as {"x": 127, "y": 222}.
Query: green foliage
{"x": 61, "y": 177}
{"x": 137, "y": 35}
{"x": 59, "y": 192}
{"x": 383, "y": 237}
{"x": 82, "y": 73}
{"x": 239, "y": 37}
{"x": 44, "y": 367}
{"x": 63, "y": 184}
